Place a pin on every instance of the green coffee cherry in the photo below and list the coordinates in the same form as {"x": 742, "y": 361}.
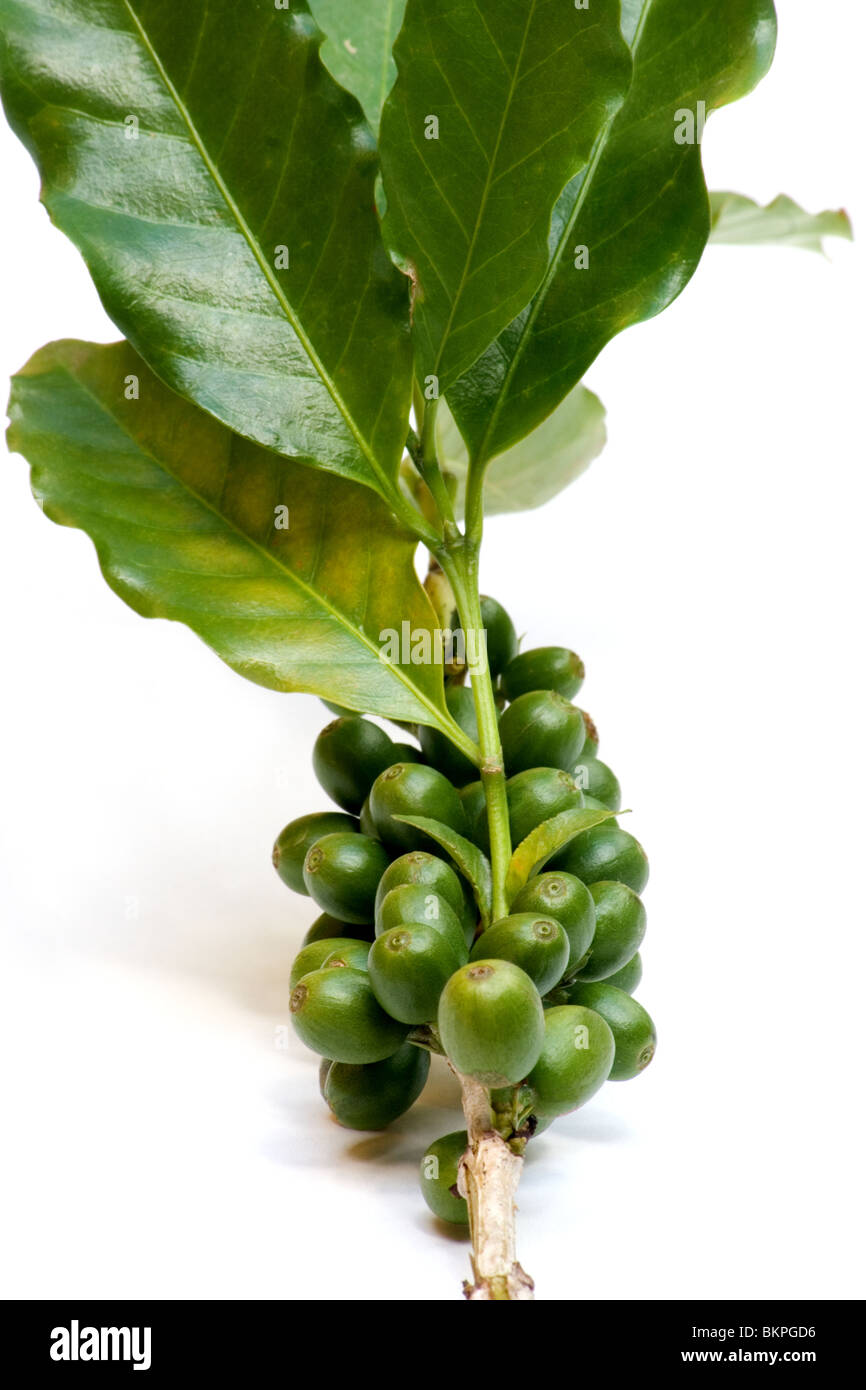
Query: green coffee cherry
{"x": 439, "y": 1178}
{"x": 597, "y": 780}
{"x": 412, "y": 902}
{"x": 590, "y": 747}
{"x": 349, "y": 955}
{"x": 564, "y": 897}
{"x": 413, "y": 789}
{"x": 313, "y": 956}
{"x": 575, "y": 1061}
{"x": 534, "y": 796}
{"x": 501, "y": 635}
{"x": 474, "y": 807}
{"x": 537, "y": 944}
{"x": 633, "y": 1030}
{"x": 409, "y": 967}
{"x": 407, "y": 753}
{"x": 629, "y": 977}
{"x": 491, "y": 1022}
{"x": 366, "y": 821}
{"x": 299, "y": 836}
{"x": 543, "y": 668}
{"x": 620, "y": 926}
{"x": 348, "y": 756}
{"x": 605, "y": 852}
{"x": 427, "y": 870}
{"x": 541, "y": 1122}
{"x": 541, "y": 729}
{"x": 420, "y": 867}
{"x": 324, "y": 1067}
{"x": 336, "y": 1014}
{"x": 373, "y": 1096}
{"x": 326, "y": 927}
{"x": 439, "y": 751}
{"x": 342, "y": 872}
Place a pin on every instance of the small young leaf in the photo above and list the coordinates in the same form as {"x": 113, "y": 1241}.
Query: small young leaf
{"x": 739, "y": 221}
{"x": 360, "y": 35}
{"x": 538, "y": 467}
{"x": 220, "y": 186}
{"x": 290, "y": 574}
{"x": 628, "y": 232}
{"x": 496, "y": 106}
{"x": 544, "y": 841}
{"x": 472, "y": 863}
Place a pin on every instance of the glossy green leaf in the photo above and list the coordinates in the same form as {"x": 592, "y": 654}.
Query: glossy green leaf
{"x": 739, "y": 221}
{"x": 472, "y": 863}
{"x": 359, "y": 37}
{"x": 219, "y": 185}
{"x": 290, "y": 574}
{"x": 536, "y": 468}
{"x": 544, "y": 841}
{"x": 630, "y": 229}
{"x": 496, "y": 106}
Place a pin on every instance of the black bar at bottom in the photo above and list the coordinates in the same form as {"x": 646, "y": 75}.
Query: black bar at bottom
{"x": 161, "y": 1339}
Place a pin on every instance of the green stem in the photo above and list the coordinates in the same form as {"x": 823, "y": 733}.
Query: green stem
{"x": 475, "y": 504}
{"x": 424, "y": 457}
{"x": 413, "y": 520}
{"x": 458, "y": 558}
{"x": 432, "y": 476}
{"x": 460, "y": 564}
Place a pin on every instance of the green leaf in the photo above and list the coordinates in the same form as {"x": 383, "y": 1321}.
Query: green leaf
{"x": 187, "y": 150}
{"x": 738, "y": 221}
{"x": 630, "y": 229}
{"x": 187, "y": 525}
{"x": 544, "y": 841}
{"x": 519, "y": 89}
{"x": 360, "y": 36}
{"x": 472, "y": 863}
{"x": 538, "y": 467}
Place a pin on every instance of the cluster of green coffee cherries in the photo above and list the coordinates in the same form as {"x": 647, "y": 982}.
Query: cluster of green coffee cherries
{"x": 538, "y": 1007}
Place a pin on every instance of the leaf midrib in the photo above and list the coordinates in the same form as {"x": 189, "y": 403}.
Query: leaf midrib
{"x": 488, "y": 184}
{"x": 357, "y": 633}
{"x": 252, "y": 243}
{"x": 602, "y": 138}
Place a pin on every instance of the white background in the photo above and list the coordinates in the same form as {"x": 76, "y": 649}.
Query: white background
{"x": 709, "y": 569}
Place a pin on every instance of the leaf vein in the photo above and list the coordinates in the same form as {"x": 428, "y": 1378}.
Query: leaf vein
{"x": 259, "y": 255}
{"x": 317, "y": 599}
